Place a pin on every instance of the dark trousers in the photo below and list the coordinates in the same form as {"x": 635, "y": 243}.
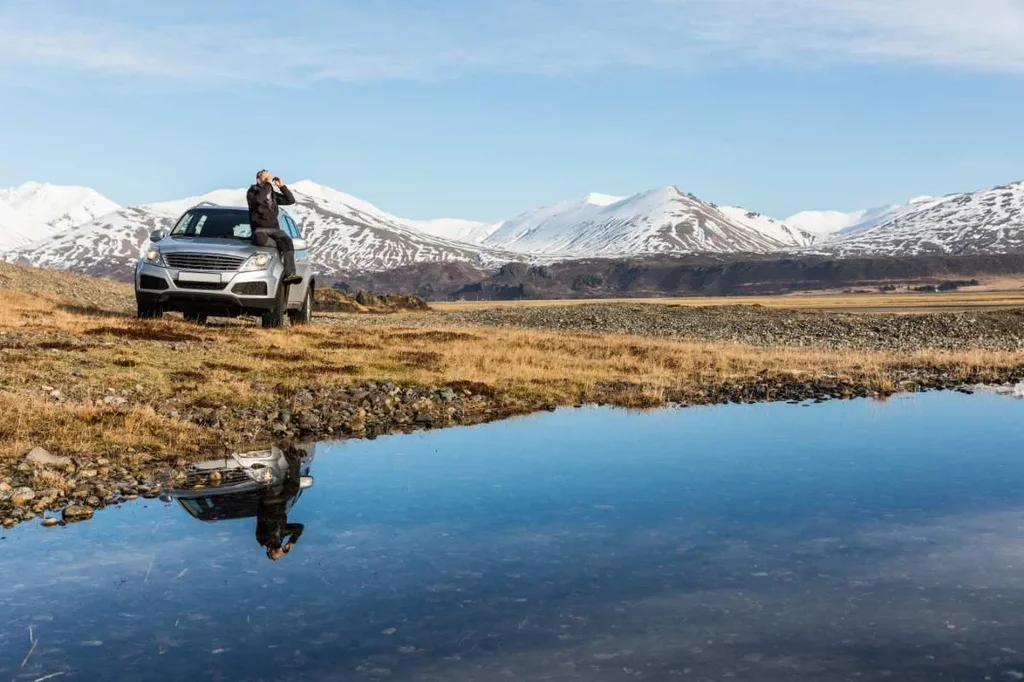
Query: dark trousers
{"x": 284, "y": 243}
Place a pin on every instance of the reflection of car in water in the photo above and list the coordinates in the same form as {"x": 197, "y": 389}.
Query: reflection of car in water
{"x": 264, "y": 484}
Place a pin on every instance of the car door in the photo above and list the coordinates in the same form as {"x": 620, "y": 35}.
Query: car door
{"x": 302, "y": 264}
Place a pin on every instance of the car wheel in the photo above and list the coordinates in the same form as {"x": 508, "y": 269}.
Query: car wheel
{"x": 196, "y": 318}
{"x": 303, "y": 315}
{"x": 149, "y": 312}
{"x": 272, "y": 319}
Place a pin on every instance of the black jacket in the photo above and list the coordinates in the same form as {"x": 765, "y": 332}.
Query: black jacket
{"x": 263, "y": 202}
{"x": 272, "y": 527}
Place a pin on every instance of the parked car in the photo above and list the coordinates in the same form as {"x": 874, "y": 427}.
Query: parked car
{"x": 207, "y": 266}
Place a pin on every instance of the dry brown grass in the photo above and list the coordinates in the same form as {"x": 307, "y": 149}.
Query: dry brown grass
{"x": 44, "y": 345}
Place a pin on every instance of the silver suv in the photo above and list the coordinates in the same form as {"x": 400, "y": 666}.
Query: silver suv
{"x": 208, "y": 266}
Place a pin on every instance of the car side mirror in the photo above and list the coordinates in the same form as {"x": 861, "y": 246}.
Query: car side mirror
{"x": 300, "y": 244}
{"x": 305, "y": 482}
{"x": 157, "y": 235}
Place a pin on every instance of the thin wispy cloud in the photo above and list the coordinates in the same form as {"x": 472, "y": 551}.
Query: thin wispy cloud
{"x": 305, "y": 41}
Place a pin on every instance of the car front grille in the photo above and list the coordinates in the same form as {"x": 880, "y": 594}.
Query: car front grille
{"x": 203, "y": 261}
{"x": 223, "y": 477}
{"x": 202, "y": 286}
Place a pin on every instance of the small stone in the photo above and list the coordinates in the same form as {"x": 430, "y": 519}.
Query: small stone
{"x": 20, "y": 496}
{"x": 50, "y": 523}
{"x": 102, "y": 462}
{"x": 424, "y": 418}
{"x": 10, "y": 523}
{"x": 77, "y": 512}
{"x": 89, "y": 473}
{"x": 56, "y": 395}
{"x": 447, "y": 395}
{"x": 41, "y": 458}
{"x": 114, "y": 400}
{"x": 93, "y": 501}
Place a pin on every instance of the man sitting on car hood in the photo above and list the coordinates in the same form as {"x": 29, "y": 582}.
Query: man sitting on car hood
{"x": 263, "y": 209}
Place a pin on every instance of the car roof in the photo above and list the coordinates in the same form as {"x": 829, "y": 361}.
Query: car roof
{"x": 219, "y": 207}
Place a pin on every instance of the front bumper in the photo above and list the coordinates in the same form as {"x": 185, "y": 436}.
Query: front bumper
{"x": 232, "y": 294}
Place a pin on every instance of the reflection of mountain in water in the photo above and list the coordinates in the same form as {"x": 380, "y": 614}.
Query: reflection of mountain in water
{"x": 1009, "y": 391}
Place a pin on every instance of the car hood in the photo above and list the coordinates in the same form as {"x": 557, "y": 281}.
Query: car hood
{"x": 231, "y": 247}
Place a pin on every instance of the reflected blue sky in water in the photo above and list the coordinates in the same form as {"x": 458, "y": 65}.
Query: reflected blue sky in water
{"x": 765, "y": 541}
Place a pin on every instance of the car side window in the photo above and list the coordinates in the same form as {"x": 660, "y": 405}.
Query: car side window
{"x": 293, "y": 229}
{"x": 282, "y": 222}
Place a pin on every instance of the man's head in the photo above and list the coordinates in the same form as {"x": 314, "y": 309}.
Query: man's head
{"x": 264, "y": 176}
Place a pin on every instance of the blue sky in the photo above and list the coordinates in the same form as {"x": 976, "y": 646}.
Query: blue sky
{"x": 484, "y": 108}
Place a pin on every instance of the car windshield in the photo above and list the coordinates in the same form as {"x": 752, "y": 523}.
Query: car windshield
{"x": 214, "y": 224}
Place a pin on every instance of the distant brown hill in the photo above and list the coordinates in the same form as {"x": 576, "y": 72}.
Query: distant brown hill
{"x": 675, "y": 276}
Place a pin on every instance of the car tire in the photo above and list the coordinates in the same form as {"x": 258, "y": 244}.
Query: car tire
{"x": 148, "y": 311}
{"x": 195, "y": 318}
{"x": 274, "y": 318}
{"x": 303, "y": 315}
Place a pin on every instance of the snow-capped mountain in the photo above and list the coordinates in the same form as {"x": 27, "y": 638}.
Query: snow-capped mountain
{"x": 989, "y": 221}
{"x": 831, "y": 225}
{"x": 824, "y": 223}
{"x": 344, "y": 234}
{"x": 468, "y": 231}
{"x": 788, "y": 235}
{"x": 347, "y": 234}
{"x": 34, "y": 211}
{"x": 663, "y": 220}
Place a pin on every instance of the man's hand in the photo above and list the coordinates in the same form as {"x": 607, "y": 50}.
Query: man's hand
{"x": 278, "y": 182}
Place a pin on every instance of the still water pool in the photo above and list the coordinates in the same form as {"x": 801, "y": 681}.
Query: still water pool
{"x": 771, "y": 542}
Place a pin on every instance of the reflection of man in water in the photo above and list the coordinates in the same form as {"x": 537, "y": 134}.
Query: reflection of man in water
{"x": 272, "y": 512}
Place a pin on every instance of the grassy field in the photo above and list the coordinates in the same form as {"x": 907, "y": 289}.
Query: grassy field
{"x": 91, "y": 380}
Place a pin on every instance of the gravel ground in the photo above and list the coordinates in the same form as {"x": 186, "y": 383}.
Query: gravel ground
{"x": 757, "y": 325}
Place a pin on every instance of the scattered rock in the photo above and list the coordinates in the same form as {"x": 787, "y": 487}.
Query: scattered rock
{"x": 22, "y": 496}
{"x": 41, "y": 458}
{"x": 77, "y": 512}
{"x": 50, "y": 523}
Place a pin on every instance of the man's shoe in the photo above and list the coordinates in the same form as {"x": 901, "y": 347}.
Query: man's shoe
{"x": 291, "y": 279}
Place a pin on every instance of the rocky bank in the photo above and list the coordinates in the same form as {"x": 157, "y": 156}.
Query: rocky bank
{"x": 760, "y": 326}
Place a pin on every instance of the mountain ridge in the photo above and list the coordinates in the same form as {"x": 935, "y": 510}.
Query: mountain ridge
{"x": 347, "y": 234}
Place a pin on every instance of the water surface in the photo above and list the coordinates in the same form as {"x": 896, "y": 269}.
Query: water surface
{"x": 770, "y": 542}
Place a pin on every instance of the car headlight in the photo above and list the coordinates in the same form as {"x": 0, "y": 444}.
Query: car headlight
{"x": 259, "y": 261}
{"x": 153, "y": 256}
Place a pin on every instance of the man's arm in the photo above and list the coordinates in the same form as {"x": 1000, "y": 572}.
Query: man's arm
{"x": 285, "y": 198}
{"x": 294, "y": 530}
